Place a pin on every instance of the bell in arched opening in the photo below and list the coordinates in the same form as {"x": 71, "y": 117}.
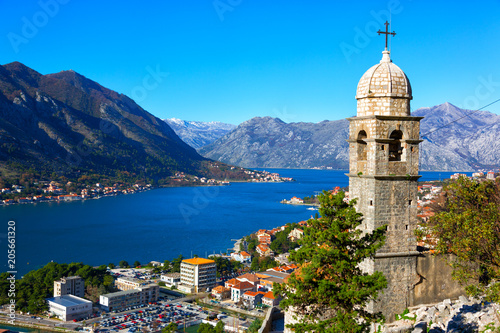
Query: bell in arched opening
{"x": 362, "y": 146}
{"x": 395, "y": 147}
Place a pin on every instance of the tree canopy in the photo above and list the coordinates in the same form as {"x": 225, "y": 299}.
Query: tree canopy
{"x": 329, "y": 292}
{"x": 468, "y": 226}
{"x": 226, "y": 266}
{"x": 37, "y": 285}
{"x": 170, "y": 328}
{"x": 255, "y": 326}
{"x": 207, "y": 328}
{"x": 176, "y": 264}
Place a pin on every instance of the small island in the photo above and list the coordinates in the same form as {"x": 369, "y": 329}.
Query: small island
{"x": 311, "y": 200}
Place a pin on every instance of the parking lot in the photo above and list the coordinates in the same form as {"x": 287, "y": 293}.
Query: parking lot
{"x": 153, "y": 317}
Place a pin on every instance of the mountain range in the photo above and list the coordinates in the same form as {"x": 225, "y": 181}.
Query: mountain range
{"x": 197, "y": 133}
{"x": 68, "y": 124}
{"x": 469, "y": 141}
{"x": 71, "y": 125}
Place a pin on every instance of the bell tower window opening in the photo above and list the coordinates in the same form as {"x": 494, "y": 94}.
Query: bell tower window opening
{"x": 395, "y": 147}
{"x": 362, "y": 146}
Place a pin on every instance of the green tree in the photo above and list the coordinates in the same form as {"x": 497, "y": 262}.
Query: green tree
{"x": 255, "y": 326}
{"x": 329, "y": 292}
{"x": 111, "y": 265}
{"x": 281, "y": 244}
{"x": 206, "y": 328}
{"x": 37, "y": 285}
{"x": 137, "y": 263}
{"x": 468, "y": 226}
{"x": 255, "y": 263}
{"x": 219, "y": 328}
{"x": 226, "y": 266}
{"x": 123, "y": 264}
{"x": 176, "y": 264}
{"x": 170, "y": 328}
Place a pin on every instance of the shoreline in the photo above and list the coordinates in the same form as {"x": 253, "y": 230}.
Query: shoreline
{"x": 79, "y": 198}
{"x": 285, "y": 202}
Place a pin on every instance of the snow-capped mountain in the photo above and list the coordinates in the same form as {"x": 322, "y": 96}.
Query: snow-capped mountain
{"x": 197, "y": 133}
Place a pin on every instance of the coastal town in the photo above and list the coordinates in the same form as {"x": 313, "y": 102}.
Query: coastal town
{"x": 152, "y": 298}
{"x": 37, "y": 191}
{"x": 198, "y": 292}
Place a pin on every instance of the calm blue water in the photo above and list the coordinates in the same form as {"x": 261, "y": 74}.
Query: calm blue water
{"x": 159, "y": 224}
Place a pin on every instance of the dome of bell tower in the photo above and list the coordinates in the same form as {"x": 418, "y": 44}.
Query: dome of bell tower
{"x": 384, "y": 89}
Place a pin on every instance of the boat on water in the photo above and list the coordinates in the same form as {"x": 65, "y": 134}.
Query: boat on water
{"x": 312, "y": 208}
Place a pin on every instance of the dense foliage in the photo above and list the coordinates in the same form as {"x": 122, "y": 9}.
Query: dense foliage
{"x": 262, "y": 263}
{"x": 36, "y": 286}
{"x": 468, "y": 226}
{"x": 207, "y": 328}
{"x": 170, "y": 328}
{"x": 281, "y": 243}
{"x": 329, "y": 292}
{"x": 255, "y": 326}
{"x": 226, "y": 266}
{"x": 176, "y": 264}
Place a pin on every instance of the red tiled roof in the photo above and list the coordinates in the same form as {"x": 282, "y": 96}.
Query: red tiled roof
{"x": 243, "y": 285}
{"x": 251, "y": 293}
{"x": 269, "y": 295}
{"x": 249, "y": 277}
{"x": 263, "y": 247}
{"x": 219, "y": 289}
{"x": 232, "y": 281}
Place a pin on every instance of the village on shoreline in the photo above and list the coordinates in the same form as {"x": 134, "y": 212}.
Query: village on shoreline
{"x": 54, "y": 191}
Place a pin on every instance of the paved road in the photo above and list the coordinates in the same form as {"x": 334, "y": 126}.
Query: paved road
{"x": 24, "y": 319}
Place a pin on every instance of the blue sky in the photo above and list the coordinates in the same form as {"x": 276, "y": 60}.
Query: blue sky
{"x": 231, "y": 60}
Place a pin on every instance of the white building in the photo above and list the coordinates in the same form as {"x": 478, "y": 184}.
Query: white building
{"x": 123, "y": 299}
{"x": 128, "y": 283}
{"x": 69, "y": 307}
{"x": 197, "y": 274}
{"x": 71, "y": 285}
{"x": 171, "y": 279}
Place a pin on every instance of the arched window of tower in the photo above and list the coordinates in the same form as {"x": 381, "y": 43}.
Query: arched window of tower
{"x": 395, "y": 147}
{"x": 362, "y": 146}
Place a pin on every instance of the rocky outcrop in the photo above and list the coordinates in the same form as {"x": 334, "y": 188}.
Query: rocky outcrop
{"x": 461, "y": 315}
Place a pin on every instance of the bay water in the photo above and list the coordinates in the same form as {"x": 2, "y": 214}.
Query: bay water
{"x": 159, "y": 224}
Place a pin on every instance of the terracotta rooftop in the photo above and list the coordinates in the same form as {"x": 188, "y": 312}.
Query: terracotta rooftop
{"x": 198, "y": 261}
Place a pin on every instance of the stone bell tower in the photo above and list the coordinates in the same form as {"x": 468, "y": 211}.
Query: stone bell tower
{"x": 383, "y": 174}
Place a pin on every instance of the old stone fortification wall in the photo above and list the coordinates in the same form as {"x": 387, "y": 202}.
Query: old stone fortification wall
{"x": 413, "y": 279}
{"x": 435, "y": 283}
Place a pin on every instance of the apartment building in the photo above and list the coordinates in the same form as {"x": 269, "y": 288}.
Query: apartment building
{"x": 71, "y": 285}
{"x": 127, "y": 298}
{"x": 129, "y": 283}
{"x": 197, "y": 274}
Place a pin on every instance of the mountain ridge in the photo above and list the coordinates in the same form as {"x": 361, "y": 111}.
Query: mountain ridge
{"x": 197, "y": 133}
{"x": 69, "y": 124}
{"x": 469, "y": 141}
